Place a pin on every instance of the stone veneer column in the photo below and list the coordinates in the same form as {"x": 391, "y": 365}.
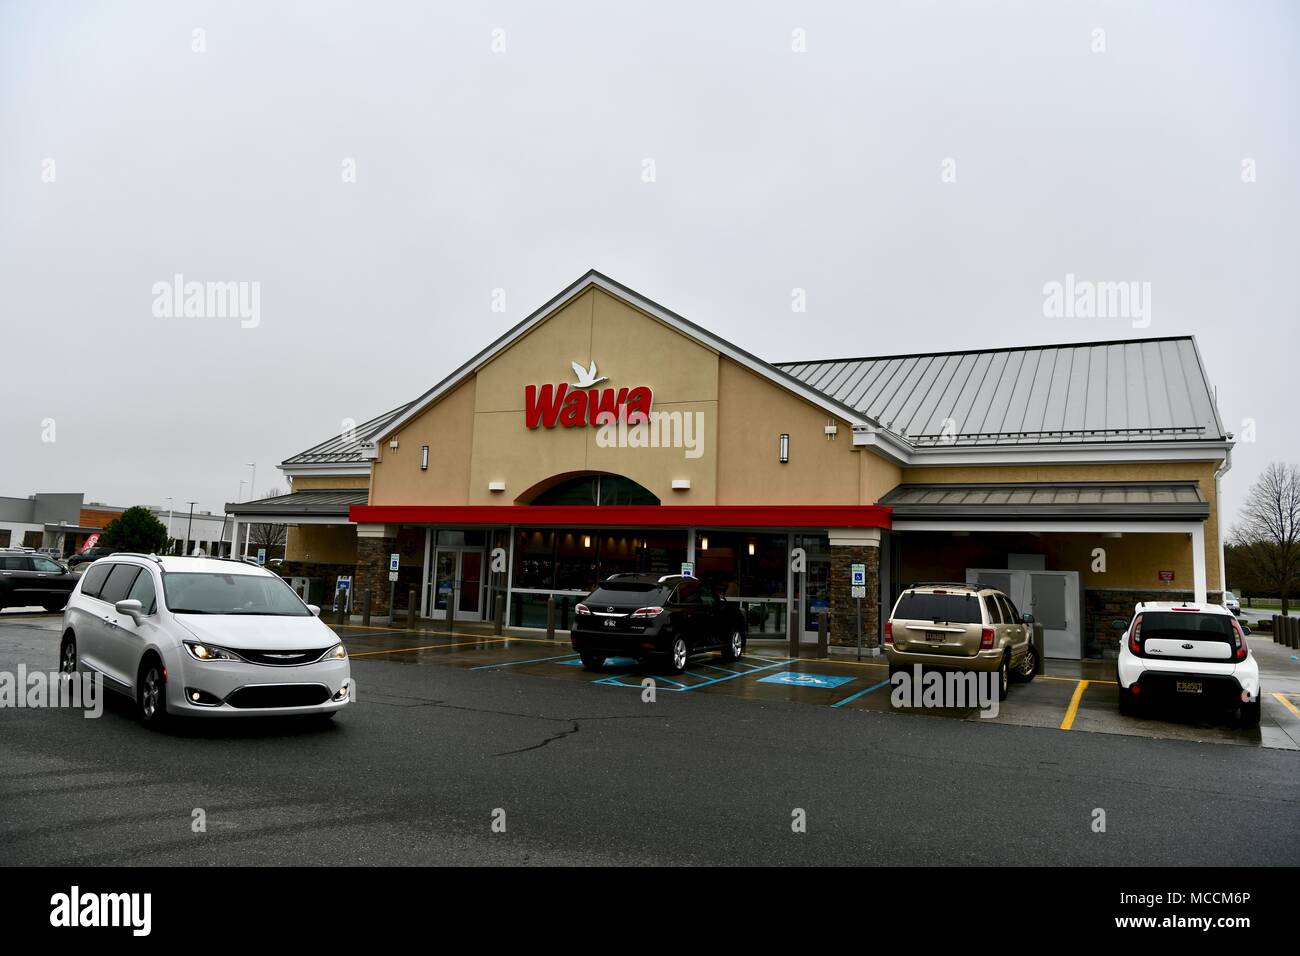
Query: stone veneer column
{"x": 851, "y": 546}
{"x": 375, "y": 542}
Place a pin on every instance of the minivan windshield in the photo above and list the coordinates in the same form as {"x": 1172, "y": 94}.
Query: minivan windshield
{"x": 940, "y": 608}
{"x": 208, "y": 592}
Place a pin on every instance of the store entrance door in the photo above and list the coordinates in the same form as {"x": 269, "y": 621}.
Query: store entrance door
{"x": 813, "y": 586}
{"x": 458, "y": 578}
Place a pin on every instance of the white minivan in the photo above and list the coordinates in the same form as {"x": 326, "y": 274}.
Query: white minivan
{"x": 205, "y": 637}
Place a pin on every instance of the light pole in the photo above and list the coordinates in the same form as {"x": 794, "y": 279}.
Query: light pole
{"x": 171, "y": 506}
{"x": 189, "y": 526}
{"x": 252, "y": 483}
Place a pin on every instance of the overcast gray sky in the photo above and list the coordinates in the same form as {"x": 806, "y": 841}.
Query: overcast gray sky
{"x": 126, "y": 157}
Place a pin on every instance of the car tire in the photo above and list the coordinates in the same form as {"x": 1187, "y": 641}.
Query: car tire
{"x": 1028, "y": 668}
{"x": 592, "y": 662}
{"x": 678, "y": 654}
{"x": 734, "y": 647}
{"x": 1128, "y": 705}
{"x": 1248, "y": 714}
{"x": 1004, "y": 677}
{"x": 151, "y": 693}
{"x": 68, "y": 655}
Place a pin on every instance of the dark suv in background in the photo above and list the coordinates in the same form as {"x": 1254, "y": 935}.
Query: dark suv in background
{"x": 645, "y": 616}
{"x": 28, "y": 580}
{"x": 90, "y": 554}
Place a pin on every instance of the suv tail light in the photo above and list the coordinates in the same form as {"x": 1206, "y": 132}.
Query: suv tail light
{"x": 1241, "y": 640}
{"x": 647, "y": 612}
{"x": 1135, "y": 635}
{"x": 889, "y": 632}
{"x": 986, "y": 638}
{"x": 581, "y": 609}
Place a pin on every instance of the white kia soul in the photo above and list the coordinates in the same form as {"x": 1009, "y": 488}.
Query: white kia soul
{"x": 1171, "y": 652}
{"x": 202, "y": 636}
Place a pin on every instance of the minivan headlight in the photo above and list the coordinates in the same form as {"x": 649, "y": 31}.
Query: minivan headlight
{"x": 336, "y": 653}
{"x": 206, "y": 652}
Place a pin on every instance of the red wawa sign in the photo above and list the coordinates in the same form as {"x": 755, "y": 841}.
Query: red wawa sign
{"x": 547, "y": 406}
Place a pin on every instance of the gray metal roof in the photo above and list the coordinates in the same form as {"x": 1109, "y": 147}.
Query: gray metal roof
{"x": 322, "y": 501}
{"x": 342, "y": 449}
{"x": 1167, "y": 500}
{"x": 1123, "y": 391}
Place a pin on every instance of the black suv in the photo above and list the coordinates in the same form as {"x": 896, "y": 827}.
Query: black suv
{"x": 648, "y": 616}
{"x": 33, "y": 579}
{"x": 90, "y": 554}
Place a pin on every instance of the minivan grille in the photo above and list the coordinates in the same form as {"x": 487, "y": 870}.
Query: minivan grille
{"x": 279, "y": 695}
{"x": 276, "y": 658}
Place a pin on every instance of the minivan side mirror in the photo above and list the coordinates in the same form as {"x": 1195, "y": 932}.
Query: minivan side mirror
{"x": 131, "y": 608}
{"x": 1119, "y": 624}
{"x": 315, "y": 609}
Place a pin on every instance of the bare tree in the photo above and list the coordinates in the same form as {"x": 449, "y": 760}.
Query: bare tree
{"x": 1268, "y": 530}
{"x": 269, "y": 536}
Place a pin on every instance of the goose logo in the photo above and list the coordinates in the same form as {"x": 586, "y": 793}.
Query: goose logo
{"x": 586, "y": 376}
{"x": 582, "y": 404}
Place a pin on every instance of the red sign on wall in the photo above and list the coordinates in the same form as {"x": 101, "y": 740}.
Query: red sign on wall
{"x": 1166, "y": 576}
{"x": 575, "y": 406}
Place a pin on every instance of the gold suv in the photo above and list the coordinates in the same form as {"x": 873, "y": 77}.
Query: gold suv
{"x": 962, "y": 626}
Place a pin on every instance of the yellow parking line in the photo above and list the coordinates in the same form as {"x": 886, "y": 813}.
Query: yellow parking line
{"x": 429, "y": 647}
{"x": 1073, "y": 709}
{"x": 1287, "y": 704}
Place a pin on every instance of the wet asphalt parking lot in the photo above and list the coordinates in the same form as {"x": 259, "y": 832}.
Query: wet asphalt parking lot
{"x": 452, "y": 733}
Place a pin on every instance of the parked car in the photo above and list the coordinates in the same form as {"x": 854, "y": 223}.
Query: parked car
{"x": 648, "y": 616}
{"x": 54, "y": 553}
{"x": 31, "y": 580}
{"x": 1191, "y": 653}
{"x": 1231, "y": 603}
{"x": 90, "y": 554}
{"x": 964, "y": 627}
{"x": 202, "y": 637}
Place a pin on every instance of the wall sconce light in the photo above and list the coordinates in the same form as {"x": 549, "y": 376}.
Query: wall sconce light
{"x": 424, "y": 457}
{"x": 751, "y": 549}
{"x": 785, "y": 448}
{"x": 586, "y": 541}
{"x": 704, "y": 543}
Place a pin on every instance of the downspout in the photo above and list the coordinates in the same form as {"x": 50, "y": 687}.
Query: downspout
{"x": 1218, "y": 504}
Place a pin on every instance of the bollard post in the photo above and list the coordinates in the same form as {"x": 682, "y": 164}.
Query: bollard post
{"x": 365, "y": 608}
{"x": 340, "y": 605}
{"x": 1293, "y": 631}
{"x": 550, "y": 617}
{"x": 499, "y": 614}
{"x": 411, "y": 609}
{"x": 823, "y": 632}
{"x": 794, "y": 634}
{"x": 451, "y": 611}
{"x": 1283, "y": 631}
{"x": 1273, "y": 627}
{"x": 1039, "y": 634}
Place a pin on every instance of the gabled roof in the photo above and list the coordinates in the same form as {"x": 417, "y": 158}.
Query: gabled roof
{"x": 1121, "y": 391}
{"x": 344, "y": 449}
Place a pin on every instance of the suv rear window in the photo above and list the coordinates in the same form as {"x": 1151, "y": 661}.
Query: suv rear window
{"x": 1186, "y": 625}
{"x": 619, "y": 593}
{"x": 948, "y": 608}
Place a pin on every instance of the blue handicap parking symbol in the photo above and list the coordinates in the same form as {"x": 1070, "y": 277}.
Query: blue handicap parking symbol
{"x": 609, "y": 662}
{"x": 795, "y": 679}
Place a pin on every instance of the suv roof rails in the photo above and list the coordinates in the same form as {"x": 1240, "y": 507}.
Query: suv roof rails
{"x": 948, "y": 584}
{"x": 135, "y": 554}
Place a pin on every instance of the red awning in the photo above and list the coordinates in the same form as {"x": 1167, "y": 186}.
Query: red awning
{"x": 629, "y": 516}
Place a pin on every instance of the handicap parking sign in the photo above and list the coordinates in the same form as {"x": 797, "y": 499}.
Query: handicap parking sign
{"x": 795, "y": 679}
{"x": 859, "y": 575}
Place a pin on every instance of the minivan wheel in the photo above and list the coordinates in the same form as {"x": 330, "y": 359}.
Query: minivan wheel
{"x": 1028, "y": 665}
{"x": 1004, "y": 678}
{"x": 68, "y": 656}
{"x": 734, "y": 648}
{"x": 677, "y": 655}
{"x": 152, "y": 693}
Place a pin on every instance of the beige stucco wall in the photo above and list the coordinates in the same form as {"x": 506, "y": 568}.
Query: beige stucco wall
{"x": 327, "y": 544}
{"x": 335, "y": 482}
